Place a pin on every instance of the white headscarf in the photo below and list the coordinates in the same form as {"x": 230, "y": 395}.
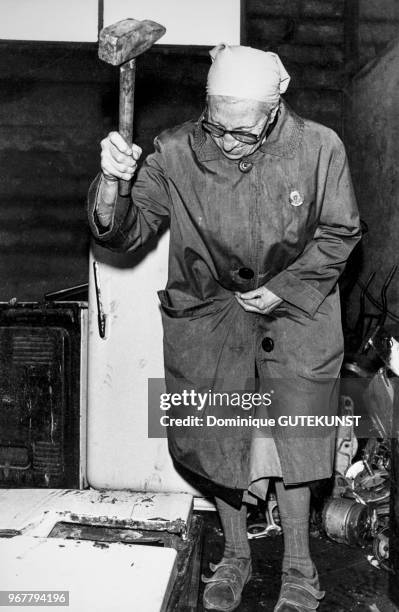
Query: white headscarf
{"x": 244, "y": 72}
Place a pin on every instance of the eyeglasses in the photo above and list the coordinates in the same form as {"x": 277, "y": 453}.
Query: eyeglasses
{"x": 246, "y": 137}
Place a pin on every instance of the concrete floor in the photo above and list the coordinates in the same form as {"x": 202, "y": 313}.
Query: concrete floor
{"x": 350, "y": 582}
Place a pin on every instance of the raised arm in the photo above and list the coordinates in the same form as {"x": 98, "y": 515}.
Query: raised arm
{"x": 125, "y": 224}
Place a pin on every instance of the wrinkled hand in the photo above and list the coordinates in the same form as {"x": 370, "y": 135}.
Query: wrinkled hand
{"x": 118, "y": 160}
{"x": 261, "y": 300}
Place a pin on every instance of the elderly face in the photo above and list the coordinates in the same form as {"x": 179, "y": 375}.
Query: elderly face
{"x": 238, "y": 114}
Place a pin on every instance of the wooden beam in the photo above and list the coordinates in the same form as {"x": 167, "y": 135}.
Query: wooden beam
{"x": 100, "y": 15}
{"x": 243, "y": 22}
{"x": 351, "y": 35}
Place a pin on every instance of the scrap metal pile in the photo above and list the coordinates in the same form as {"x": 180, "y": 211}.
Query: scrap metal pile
{"x": 356, "y": 511}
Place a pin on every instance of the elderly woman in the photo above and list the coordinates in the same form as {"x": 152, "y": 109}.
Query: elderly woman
{"x": 262, "y": 220}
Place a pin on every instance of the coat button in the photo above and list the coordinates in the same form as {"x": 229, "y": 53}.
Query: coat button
{"x": 245, "y": 166}
{"x": 246, "y": 273}
{"x": 267, "y": 344}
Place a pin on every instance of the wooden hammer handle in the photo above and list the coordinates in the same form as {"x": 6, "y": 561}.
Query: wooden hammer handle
{"x": 126, "y": 111}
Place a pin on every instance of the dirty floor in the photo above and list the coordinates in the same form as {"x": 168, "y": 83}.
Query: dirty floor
{"x": 350, "y": 582}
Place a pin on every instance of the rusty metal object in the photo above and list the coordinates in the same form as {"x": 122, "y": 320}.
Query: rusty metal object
{"x": 394, "y": 501}
{"x": 272, "y": 526}
{"x": 346, "y": 441}
{"x": 119, "y": 45}
{"x": 346, "y": 521}
{"x": 387, "y": 347}
{"x": 381, "y": 545}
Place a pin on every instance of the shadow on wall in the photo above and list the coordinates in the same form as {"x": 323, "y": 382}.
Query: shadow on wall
{"x": 372, "y": 139}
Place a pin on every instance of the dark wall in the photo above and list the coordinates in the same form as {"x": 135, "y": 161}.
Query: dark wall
{"x": 58, "y": 100}
{"x": 378, "y": 25}
{"x": 309, "y": 36}
{"x": 56, "y": 103}
{"x": 372, "y": 136}
{"x": 50, "y": 123}
{"x": 323, "y": 44}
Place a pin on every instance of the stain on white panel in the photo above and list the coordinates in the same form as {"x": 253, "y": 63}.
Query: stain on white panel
{"x": 36, "y": 511}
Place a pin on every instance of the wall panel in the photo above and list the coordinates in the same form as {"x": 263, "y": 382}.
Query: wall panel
{"x": 74, "y": 20}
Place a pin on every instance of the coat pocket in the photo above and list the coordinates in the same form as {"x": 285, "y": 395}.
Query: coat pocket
{"x": 178, "y": 305}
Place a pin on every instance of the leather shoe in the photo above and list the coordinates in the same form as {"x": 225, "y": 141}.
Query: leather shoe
{"x": 299, "y": 593}
{"x": 223, "y": 590}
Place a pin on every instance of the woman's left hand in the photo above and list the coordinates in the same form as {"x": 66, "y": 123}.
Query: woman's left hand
{"x": 259, "y": 300}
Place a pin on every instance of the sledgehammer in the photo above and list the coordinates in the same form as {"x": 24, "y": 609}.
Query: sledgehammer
{"x": 119, "y": 45}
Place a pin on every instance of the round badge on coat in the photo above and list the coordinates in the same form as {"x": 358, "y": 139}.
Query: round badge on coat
{"x": 295, "y": 198}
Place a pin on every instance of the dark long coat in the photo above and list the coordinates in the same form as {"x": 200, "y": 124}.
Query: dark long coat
{"x": 286, "y": 217}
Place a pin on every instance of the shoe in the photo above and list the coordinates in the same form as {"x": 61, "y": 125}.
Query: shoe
{"x": 223, "y": 589}
{"x": 299, "y": 593}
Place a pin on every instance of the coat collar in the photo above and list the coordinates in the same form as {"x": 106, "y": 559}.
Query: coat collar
{"x": 283, "y": 141}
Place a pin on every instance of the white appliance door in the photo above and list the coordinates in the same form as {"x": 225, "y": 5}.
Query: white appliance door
{"x": 120, "y": 453}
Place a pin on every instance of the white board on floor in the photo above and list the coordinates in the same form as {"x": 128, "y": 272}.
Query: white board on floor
{"x": 117, "y": 576}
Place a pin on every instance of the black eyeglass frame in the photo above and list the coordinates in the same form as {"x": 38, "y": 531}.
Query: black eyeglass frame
{"x": 245, "y": 137}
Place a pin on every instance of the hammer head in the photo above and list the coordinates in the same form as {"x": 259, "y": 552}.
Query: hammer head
{"x": 126, "y": 39}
